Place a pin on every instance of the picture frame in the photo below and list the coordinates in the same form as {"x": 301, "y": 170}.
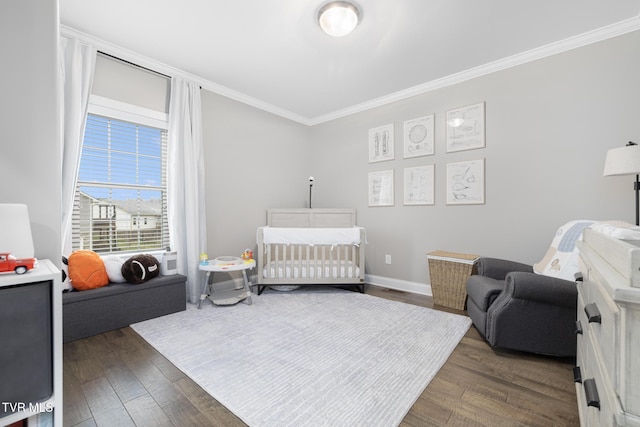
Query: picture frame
{"x": 419, "y": 139}
{"x": 381, "y": 143}
{"x": 465, "y": 182}
{"x": 419, "y": 187}
{"x": 465, "y": 128}
{"x": 381, "y": 188}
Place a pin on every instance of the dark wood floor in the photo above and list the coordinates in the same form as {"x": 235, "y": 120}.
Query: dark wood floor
{"x": 117, "y": 379}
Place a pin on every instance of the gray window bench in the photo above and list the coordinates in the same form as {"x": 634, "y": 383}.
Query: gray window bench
{"x": 117, "y": 305}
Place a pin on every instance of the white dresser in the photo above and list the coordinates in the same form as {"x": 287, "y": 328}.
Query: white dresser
{"x": 608, "y": 326}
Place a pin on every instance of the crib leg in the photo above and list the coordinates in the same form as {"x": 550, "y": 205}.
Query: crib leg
{"x": 260, "y": 289}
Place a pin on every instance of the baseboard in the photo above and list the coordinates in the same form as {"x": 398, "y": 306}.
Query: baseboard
{"x": 399, "y": 285}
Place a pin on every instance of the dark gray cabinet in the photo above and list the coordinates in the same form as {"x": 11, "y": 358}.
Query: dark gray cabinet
{"x": 30, "y": 344}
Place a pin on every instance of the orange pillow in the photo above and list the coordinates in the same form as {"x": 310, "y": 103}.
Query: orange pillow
{"x": 87, "y": 270}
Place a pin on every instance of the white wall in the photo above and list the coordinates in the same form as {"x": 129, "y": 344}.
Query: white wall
{"x": 549, "y": 125}
{"x": 254, "y": 161}
{"x": 30, "y": 165}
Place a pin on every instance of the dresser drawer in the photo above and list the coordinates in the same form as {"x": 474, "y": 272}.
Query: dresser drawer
{"x": 608, "y": 414}
{"x": 596, "y": 406}
{"x": 597, "y": 400}
{"x": 608, "y": 351}
{"x": 598, "y": 316}
{"x": 583, "y": 336}
{"x": 629, "y": 370}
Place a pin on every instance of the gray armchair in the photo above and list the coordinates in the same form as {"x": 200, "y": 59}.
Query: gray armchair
{"x": 517, "y": 309}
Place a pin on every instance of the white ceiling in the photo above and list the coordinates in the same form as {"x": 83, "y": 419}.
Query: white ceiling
{"x": 272, "y": 53}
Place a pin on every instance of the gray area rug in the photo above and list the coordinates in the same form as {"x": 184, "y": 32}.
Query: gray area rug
{"x": 311, "y": 357}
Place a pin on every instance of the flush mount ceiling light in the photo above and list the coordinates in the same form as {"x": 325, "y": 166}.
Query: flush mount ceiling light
{"x": 338, "y": 18}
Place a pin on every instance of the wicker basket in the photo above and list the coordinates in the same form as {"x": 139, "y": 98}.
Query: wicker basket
{"x": 449, "y": 272}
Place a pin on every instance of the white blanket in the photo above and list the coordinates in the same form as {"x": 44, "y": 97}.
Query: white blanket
{"x": 618, "y": 230}
{"x": 311, "y": 236}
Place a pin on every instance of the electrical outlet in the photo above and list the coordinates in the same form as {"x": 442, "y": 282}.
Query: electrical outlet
{"x": 387, "y": 259}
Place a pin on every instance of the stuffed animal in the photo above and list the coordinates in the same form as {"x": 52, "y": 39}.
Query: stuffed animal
{"x": 87, "y": 271}
{"x": 140, "y": 268}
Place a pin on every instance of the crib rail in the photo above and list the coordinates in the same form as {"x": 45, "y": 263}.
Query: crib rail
{"x": 310, "y": 264}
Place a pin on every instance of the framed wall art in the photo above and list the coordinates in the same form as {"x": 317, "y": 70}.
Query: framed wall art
{"x": 465, "y": 128}
{"x": 419, "y": 137}
{"x": 419, "y": 185}
{"x": 381, "y": 188}
{"x": 381, "y": 145}
{"x": 465, "y": 182}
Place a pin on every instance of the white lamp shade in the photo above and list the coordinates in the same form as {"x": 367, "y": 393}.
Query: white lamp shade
{"x": 623, "y": 161}
{"x": 15, "y": 230}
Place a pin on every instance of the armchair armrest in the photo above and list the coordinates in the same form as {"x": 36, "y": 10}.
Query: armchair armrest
{"x": 499, "y": 268}
{"x": 534, "y": 313}
{"x": 540, "y": 288}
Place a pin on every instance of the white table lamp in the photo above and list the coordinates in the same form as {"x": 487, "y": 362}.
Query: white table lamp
{"x": 15, "y": 230}
{"x": 625, "y": 161}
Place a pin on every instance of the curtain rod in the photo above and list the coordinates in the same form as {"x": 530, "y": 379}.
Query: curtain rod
{"x": 134, "y": 64}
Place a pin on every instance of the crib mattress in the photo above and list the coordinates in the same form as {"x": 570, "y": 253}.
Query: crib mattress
{"x": 293, "y": 270}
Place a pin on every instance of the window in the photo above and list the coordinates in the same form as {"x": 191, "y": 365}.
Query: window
{"x": 121, "y": 197}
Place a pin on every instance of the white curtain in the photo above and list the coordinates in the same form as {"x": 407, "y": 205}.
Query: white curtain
{"x": 185, "y": 179}
{"x": 77, "y": 65}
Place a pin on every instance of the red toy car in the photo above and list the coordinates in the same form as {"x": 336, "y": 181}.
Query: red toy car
{"x": 20, "y": 266}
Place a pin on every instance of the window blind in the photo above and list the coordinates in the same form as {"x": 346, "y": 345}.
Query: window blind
{"x": 121, "y": 198}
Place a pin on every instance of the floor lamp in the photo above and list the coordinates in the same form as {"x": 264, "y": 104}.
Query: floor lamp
{"x": 625, "y": 161}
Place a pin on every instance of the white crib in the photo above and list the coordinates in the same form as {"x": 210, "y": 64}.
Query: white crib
{"x": 311, "y": 247}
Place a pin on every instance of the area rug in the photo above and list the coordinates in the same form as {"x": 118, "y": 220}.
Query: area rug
{"x": 311, "y": 357}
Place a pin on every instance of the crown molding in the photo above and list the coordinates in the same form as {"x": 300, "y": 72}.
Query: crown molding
{"x": 600, "y": 34}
